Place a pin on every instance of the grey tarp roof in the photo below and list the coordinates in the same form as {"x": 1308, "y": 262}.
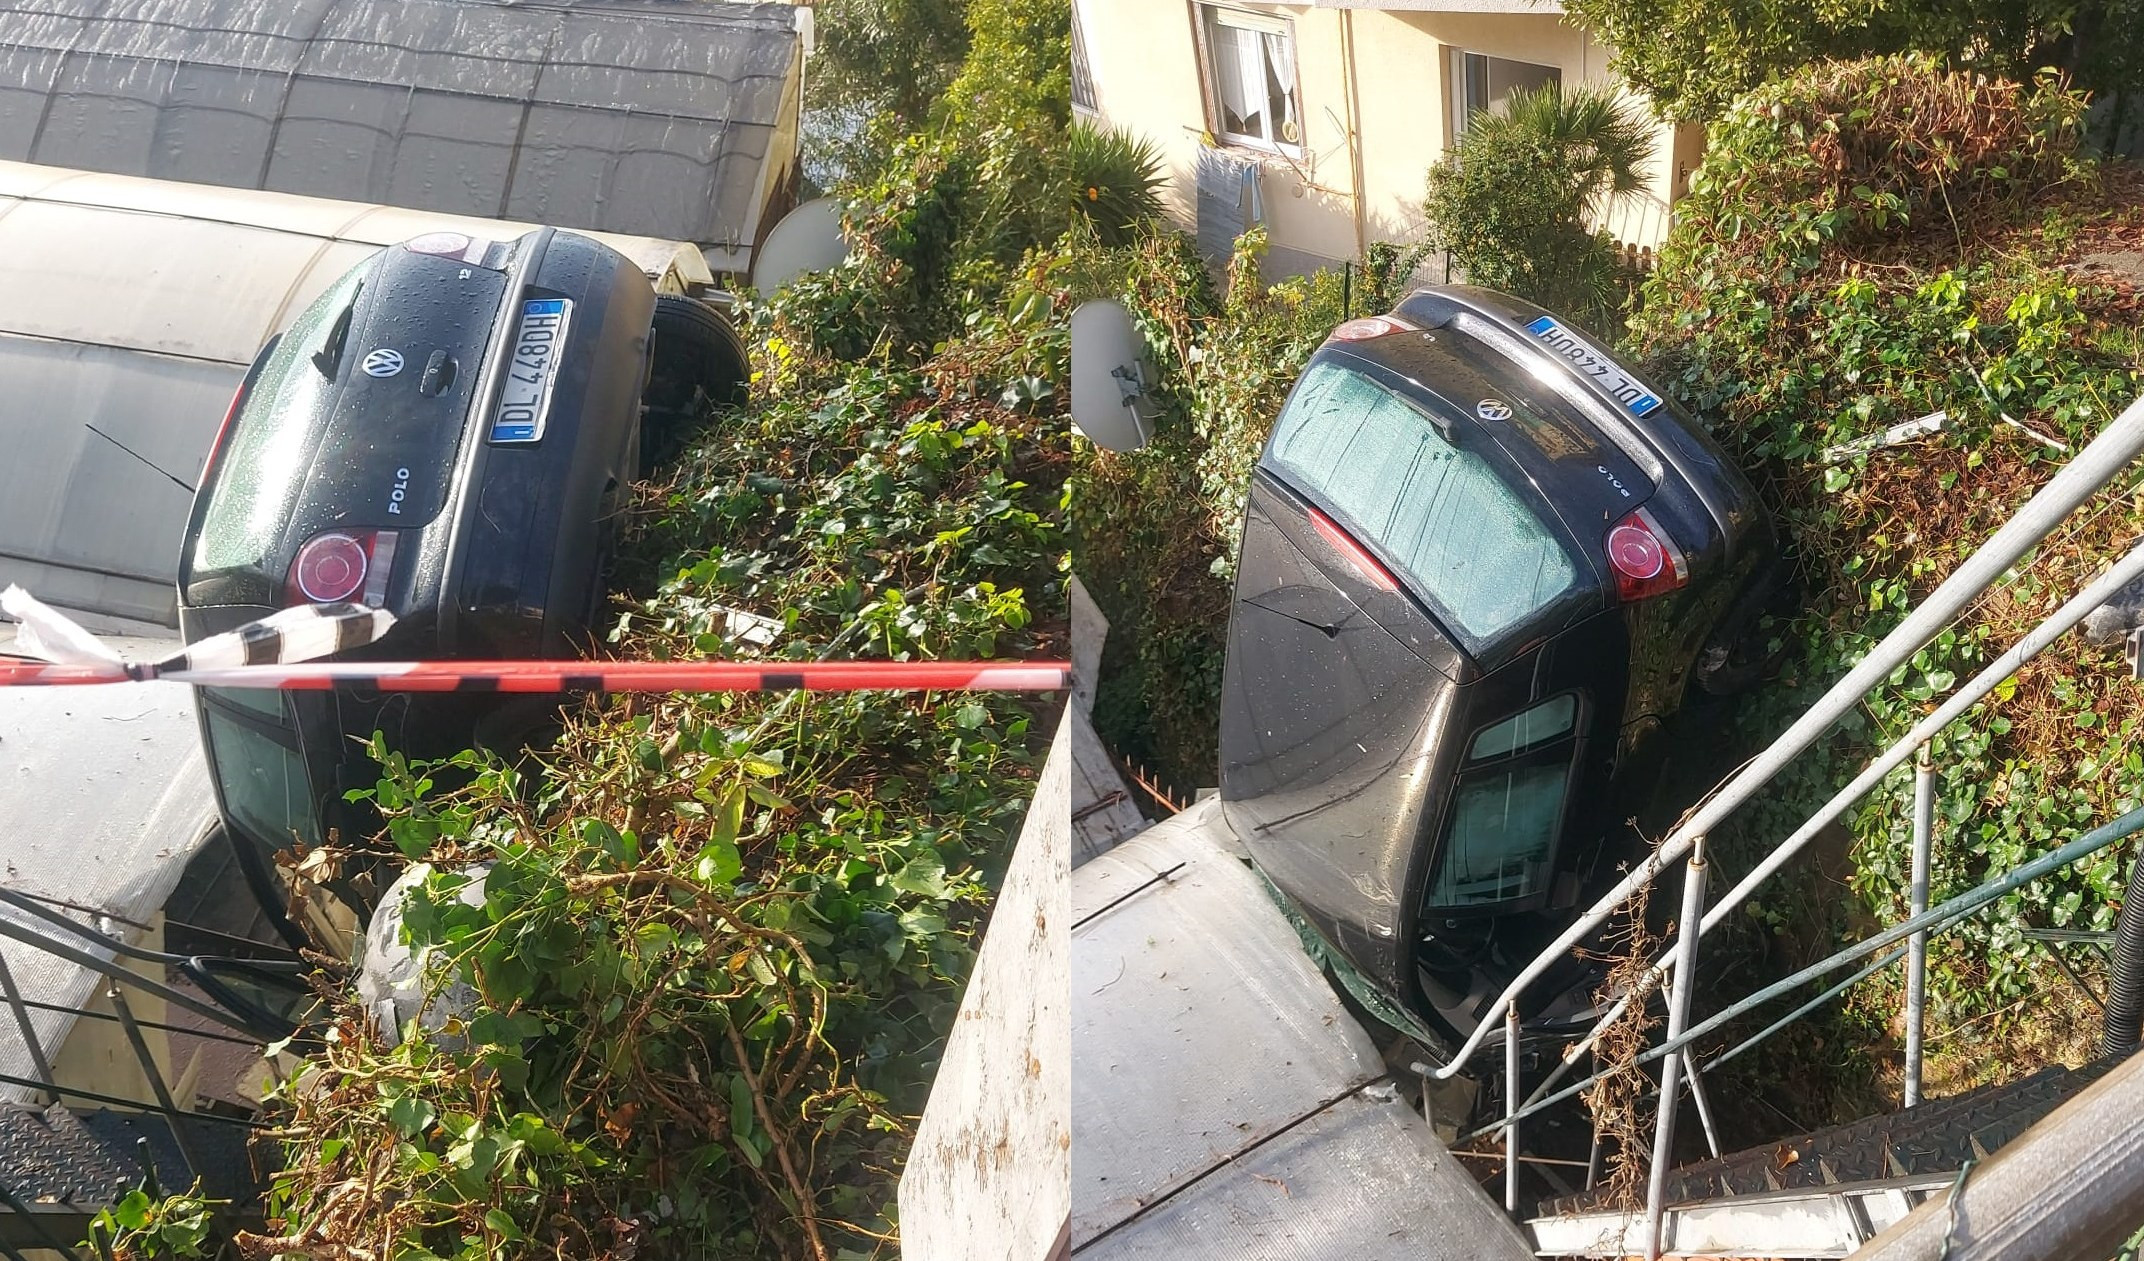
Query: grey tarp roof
{"x": 103, "y": 798}
{"x": 134, "y": 305}
{"x": 1224, "y": 1103}
{"x": 643, "y": 116}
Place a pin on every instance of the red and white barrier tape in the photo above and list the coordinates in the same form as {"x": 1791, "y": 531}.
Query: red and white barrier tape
{"x": 274, "y": 653}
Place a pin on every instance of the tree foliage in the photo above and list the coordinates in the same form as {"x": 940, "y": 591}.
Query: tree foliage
{"x": 1115, "y": 180}
{"x": 1693, "y": 57}
{"x": 1869, "y": 243}
{"x": 1018, "y": 67}
{"x": 879, "y": 68}
{"x": 1514, "y": 199}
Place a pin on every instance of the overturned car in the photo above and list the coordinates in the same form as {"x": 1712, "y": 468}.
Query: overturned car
{"x": 1482, "y": 564}
{"x": 446, "y": 433}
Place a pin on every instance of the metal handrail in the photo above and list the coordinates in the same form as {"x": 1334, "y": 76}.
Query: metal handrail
{"x": 2096, "y": 593}
{"x": 2082, "y": 477}
{"x": 1935, "y": 919}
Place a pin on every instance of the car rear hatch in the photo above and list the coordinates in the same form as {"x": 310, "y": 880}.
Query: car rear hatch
{"x": 1584, "y": 479}
{"x": 1704, "y": 486}
{"x": 350, "y": 426}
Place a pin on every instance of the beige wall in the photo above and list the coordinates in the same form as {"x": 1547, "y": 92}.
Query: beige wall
{"x": 1144, "y": 62}
{"x": 97, "y": 1055}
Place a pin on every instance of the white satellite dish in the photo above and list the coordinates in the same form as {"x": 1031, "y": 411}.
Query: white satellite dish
{"x": 1109, "y": 398}
{"x": 808, "y": 238}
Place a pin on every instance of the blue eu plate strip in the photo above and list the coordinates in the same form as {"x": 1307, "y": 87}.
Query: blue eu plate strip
{"x": 1606, "y": 372}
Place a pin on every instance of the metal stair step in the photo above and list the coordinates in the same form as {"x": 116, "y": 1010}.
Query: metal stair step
{"x": 1934, "y": 1137}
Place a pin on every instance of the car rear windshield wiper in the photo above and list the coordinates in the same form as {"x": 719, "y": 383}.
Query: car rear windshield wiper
{"x": 329, "y": 357}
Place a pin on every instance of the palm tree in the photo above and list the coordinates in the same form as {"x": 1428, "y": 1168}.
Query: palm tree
{"x": 1595, "y": 147}
{"x": 1516, "y": 201}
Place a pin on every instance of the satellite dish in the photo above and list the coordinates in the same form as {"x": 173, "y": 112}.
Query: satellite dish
{"x": 1109, "y": 399}
{"x": 807, "y": 239}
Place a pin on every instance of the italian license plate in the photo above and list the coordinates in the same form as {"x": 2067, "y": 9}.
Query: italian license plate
{"x": 525, "y": 400}
{"x": 1610, "y": 375}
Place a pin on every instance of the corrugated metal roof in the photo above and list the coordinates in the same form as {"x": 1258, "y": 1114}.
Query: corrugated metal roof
{"x": 103, "y": 798}
{"x": 1224, "y": 1103}
{"x": 129, "y": 309}
{"x": 656, "y": 117}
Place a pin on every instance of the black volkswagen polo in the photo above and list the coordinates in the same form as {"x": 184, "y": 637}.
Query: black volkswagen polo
{"x": 445, "y": 433}
{"x": 1482, "y": 561}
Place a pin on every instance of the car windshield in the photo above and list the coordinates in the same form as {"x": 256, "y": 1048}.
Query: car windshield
{"x": 267, "y": 451}
{"x": 1441, "y": 515}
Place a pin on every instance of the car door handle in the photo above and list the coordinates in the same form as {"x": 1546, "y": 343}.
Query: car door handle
{"x": 438, "y": 375}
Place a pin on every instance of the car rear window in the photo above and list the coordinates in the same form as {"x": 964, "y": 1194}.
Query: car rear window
{"x": 271, "y": 442}
{"x": 1440, "y": 514}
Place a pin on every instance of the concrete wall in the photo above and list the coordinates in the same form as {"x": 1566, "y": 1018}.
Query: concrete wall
{"x": 989, "y": 1176}
{"x": 1370, "y": 82}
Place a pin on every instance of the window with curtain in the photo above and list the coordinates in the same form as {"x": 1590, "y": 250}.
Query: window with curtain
{"x": 1250, "y": 70}
{"x": 1082, "y": 74}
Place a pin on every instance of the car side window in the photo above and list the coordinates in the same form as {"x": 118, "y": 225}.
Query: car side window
{"x": 1438, "y": 512}
{"x": 1507, "y": 807}
{"x": 265, "y": 787}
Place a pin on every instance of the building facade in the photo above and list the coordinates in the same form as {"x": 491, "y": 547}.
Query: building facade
{"x": 1322, "y": 121}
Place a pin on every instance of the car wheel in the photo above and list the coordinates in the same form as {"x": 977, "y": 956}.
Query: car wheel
{"x": 698, "y": 361}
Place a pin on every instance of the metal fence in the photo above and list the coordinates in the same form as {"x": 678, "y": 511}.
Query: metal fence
{"x": 2106, "y": 456}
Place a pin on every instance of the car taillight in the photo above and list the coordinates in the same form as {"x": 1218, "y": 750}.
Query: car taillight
{"x": 1354, "y": 553}
{"x": 1646, "y": 561}
{"x": 342, "y": 565}
{"x": 223, "y": 430}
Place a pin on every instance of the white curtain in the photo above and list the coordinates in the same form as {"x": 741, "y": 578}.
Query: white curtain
{"x": 1280, "y": 57}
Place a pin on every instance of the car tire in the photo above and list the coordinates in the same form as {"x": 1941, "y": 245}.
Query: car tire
{"x": 698, "y": 360}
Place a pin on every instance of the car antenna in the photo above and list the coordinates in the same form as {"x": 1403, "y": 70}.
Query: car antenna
{"x": 138, "y": 455}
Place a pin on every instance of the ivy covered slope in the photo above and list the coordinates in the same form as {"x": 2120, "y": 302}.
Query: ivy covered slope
{"x": 1868, "y": 243}
{"x": 721, "y": 944}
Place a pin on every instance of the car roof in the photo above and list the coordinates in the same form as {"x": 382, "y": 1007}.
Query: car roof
{"x": 105, "y": 798}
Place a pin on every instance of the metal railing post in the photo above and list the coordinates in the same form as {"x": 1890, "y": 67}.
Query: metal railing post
{"x": 1511, "y": 1106}
{"x": 22, "y": 1023}
{"x": 1704, "y": 1104}
{"x": 1686, "y": 938}
{"x": 1924, "y": 818}
{"x": 173, "y": 1113}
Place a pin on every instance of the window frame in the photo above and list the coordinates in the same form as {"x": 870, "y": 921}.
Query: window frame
{"x": 1459, "y": 108}
{"x": 1082, "y": 72}
{"x": 1204, "y": 17}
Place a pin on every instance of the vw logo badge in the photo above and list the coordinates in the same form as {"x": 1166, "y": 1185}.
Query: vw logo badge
{"x": 1487, "y": 409}
{"x": 385, "y": 363}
